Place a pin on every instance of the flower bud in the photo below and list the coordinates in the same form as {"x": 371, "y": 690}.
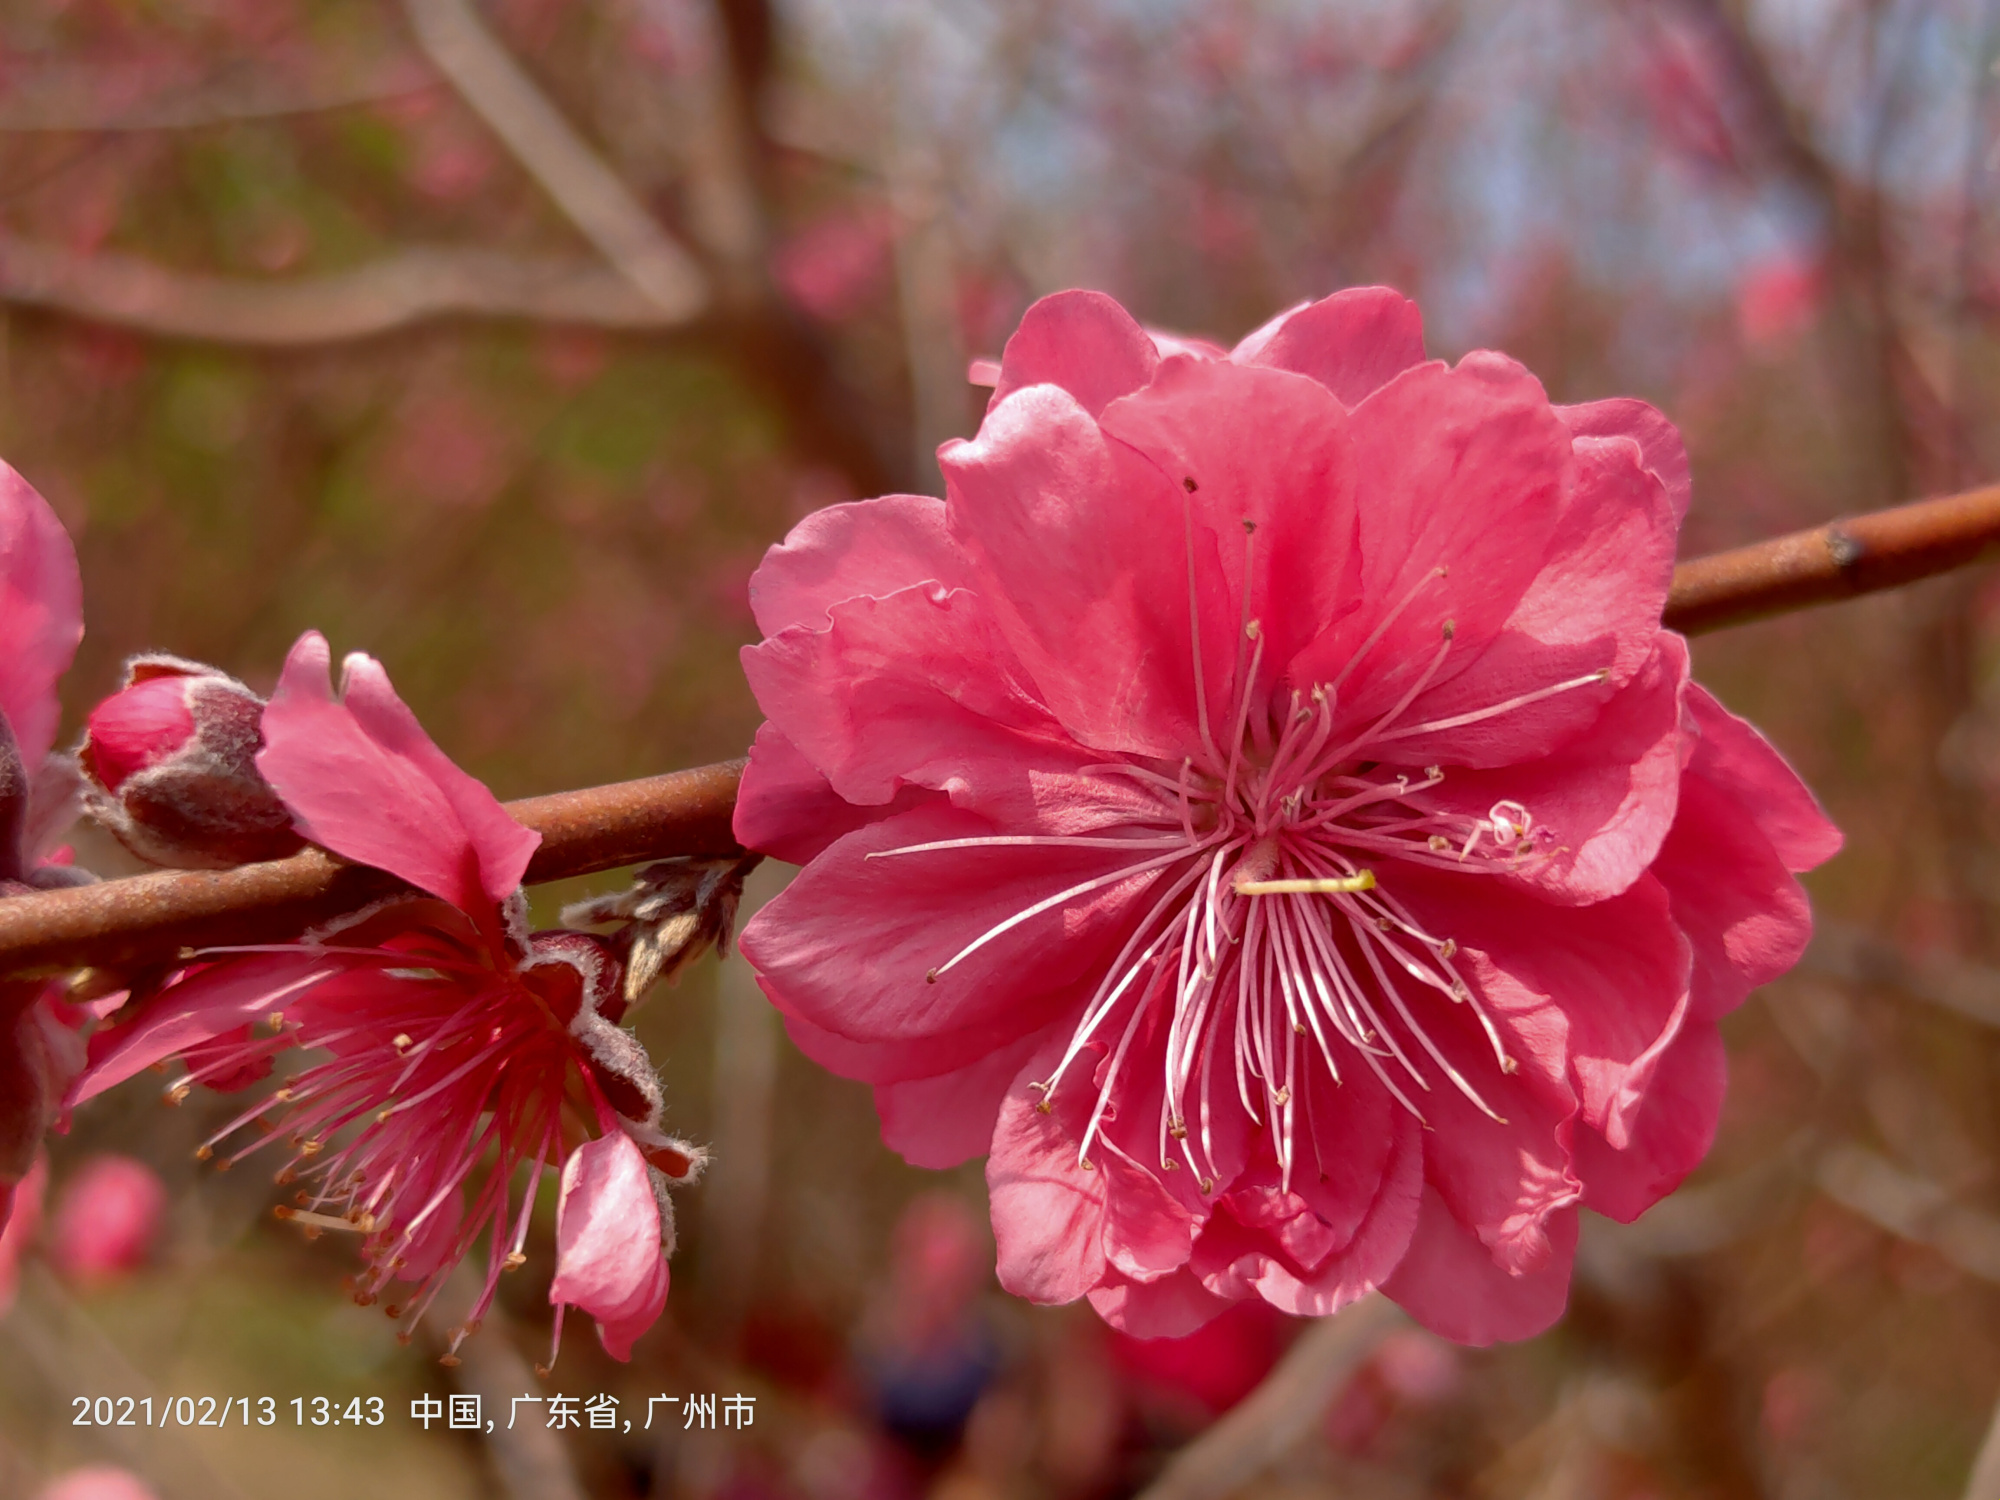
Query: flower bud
{"x": 173, "y": 770}
{"x": 106, "y": 1220}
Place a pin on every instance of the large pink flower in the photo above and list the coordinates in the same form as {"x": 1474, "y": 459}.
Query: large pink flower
{"x": 41, "y": 622}
{"x": 1260, "y": 807}
{"x": 460, "y": 1047}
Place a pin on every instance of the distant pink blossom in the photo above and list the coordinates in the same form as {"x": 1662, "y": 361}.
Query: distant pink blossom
{"x": 98, "y": 1482}
{"x": 1778, "y": 299}
{"x": 23, "y": 1221}
{"x": 832, "y": 266}
{"x": 1260, "y": 808}
{"x": 460, "y": 1047}
{"x": 107, "y": 1219}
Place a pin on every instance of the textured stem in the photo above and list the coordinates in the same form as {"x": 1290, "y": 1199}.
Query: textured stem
{"x": 1859, "y": 555}
{"x": 151, "y": 918}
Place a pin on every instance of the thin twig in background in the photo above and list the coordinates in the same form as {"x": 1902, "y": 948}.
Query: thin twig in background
{"x": 406, "y": 287}
{"x": 1273, "y": 1418}
{"x": 1985, "y": 1481}
{"x": 596, "y": 201}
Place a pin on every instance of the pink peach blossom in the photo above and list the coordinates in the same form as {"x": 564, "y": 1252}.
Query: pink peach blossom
{"x": 461, "y": 1047}
{"x": 106, "y": 1220}
{"x": 1260, "y": 809}
{"x": 41, "y": 622}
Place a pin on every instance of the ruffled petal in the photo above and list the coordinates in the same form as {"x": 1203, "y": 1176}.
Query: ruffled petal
{"x": 942, "y": 1121}
{"x": 1085, "y": 557}
{"x": 1449, "y": 1283}
{"x": 364, "y": 780}
{"x": 1734, "y": 757}
{"x": 867, "y": 548}
{"x": 1082, "y": 342}
{"x": 1461, "y": 475}
{"x": 848, "y": 945}
{"x": 1667, "y": 1136}
{"x": 1264, "y": 458}
{"x": 1658, "y": 439}
{"x": 1601, "y": 804}
{"x": 1353, "y": 343}
{"x": 1048, "y": 1213}
{"x": 41, "y": 614}
{"x": 788, "y": 810}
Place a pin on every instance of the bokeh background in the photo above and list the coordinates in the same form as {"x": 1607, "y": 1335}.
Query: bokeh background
{"x": 304, "y": 323}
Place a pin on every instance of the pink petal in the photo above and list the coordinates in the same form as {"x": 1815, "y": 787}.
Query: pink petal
{"x": 942, "y": 1121}
{"x": 1594, "y": 605}
{"x": 1082, "y": 551}
{"x": 786, "y": 809}
{"x": 200, "y": 1007}
{"x": 1268, "y": 458}
{"x": 1048, "y": 1213}
{"x": 912, "y": 689}
{"x": 1353, "y": 343}
{"x": 1658, "y": 439}
{"x": 41, "y": 614}
{"x": 1605, "y": 800}
{"x": 1448, "y": 1282}
{"x": 1462, "y": 470}
{"x": 364, "y": 780}
{"x": 608, "y": 1259}
{"x": 848, "y": 944}
{"x": 1733, "y": 755}
{"x": 1742, "y": 910}
{"x": 1667, "y": 1136}
{"x": 1169, "y": 1308}
{"x": 1083, "y": 342}
{"x": 869, "y": 547}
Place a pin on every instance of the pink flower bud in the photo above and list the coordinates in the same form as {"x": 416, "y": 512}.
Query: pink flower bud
{"x": 106, "y": 1219}
{"x": 172, "y": 762}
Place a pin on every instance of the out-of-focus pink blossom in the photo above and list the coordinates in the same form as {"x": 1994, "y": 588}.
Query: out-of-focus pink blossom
{"x": 98, "y": 1482}
{"x": 1419, "y": 1367}
{"x": 107, "y": 1218}
{"x": 172, "y": 761}
{"x": 1218, "y": 1364}
{"x": 1260, "y": 808}
{"x": 1778, "y": 299}
{"x": 832, "y": 266}
{"x": 461, "y": 1047}
{"x": 22, "y": 1217}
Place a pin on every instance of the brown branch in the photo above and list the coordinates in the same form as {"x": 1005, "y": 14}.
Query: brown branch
{"x": 151, "y": 918}
{"x": 1860, "y": 555}
{"x": 400, "y": 289}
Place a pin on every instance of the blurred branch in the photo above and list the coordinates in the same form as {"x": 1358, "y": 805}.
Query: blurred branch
{"x": 596, "y": 201}
{"x": 1857, "y": 957}
{"x": 1275, "y": 1416}
{"x": 105, "y": 98}
{"x": 400, "y": 289}
{"x": 1985, "y": 1481}
{"x": 1911, "y": 1207}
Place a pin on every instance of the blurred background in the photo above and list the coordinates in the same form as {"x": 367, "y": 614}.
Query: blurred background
{"x": 500, "y": 341}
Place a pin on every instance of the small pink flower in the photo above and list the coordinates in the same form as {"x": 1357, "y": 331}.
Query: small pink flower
{"x": 171, "y": 758}
{"x": 106, "y": 1220}
{"x": 1260, "y": 808}
{"x": 460, "y": 1047}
